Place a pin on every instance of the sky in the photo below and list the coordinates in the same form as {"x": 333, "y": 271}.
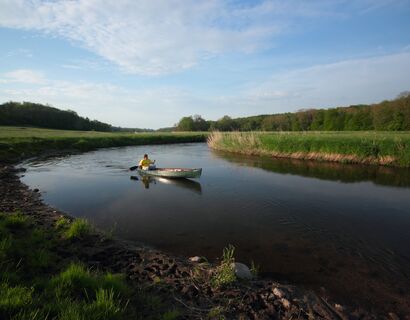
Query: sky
{"x": 149, "y": 63}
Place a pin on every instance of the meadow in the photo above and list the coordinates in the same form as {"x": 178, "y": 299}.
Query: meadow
{"x": 22, "y": 142}
{"x": 366, "y": 147}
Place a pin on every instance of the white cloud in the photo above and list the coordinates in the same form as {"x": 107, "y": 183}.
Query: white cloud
{"x": 158, "y": 37}
{"x": 23, "y": 76}
{"x": 337, "y": 84}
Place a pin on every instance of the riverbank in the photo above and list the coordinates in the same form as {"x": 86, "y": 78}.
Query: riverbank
{"x": 17, "y": 143}
{"x": 378, "y": 148}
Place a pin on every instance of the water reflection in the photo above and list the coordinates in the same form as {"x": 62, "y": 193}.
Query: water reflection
{"x": 346, "y": 173}
{"x": 187, "y": 184}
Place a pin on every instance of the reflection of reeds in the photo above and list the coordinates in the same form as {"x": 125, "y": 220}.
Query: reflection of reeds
{"x": 383, "y": 148}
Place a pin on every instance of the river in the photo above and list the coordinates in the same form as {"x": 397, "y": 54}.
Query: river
{"x": 341, "y": 229}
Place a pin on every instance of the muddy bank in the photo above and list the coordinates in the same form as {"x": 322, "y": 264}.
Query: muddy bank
{"x": 182, "y": 283}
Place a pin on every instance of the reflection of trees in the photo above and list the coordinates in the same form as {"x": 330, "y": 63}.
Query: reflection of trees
{"x": 347, "y": 173}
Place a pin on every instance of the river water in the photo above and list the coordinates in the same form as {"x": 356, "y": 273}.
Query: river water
{"x": 340, "y": 229}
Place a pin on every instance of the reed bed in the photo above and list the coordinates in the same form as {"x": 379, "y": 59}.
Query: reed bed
{"x": 381, "y": 148}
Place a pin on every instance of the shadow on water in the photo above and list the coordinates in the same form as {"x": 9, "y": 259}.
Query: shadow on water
{"x": 187, "y": 184}
{"x": 346, "y": 173}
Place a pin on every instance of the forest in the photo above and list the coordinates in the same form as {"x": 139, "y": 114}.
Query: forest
{"x": 389, "y": 115}
{"x": 38, "y": 115}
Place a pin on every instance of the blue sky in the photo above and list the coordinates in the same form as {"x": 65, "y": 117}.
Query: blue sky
{"x": 148, "y": 63}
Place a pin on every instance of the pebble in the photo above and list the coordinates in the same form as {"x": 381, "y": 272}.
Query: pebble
{"x": 285, "y": 303}
{"x": 195, "y": 259}
{"x": 278, "y": 293}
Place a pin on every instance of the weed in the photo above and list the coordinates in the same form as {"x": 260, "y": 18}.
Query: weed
{"x": 14, "y": 298}
{"x": 78, "y": 229}
{"x": 73, "y": 282}
{"x": 216, "y": 313}
{"x": 15, "y": 221}
{"x": 171, "y": 315}
{"x": 62, "y": 222}
{"x": 254, "y": 269}
{"x": 106, "y": 305}
{"x": 224, "y": 273}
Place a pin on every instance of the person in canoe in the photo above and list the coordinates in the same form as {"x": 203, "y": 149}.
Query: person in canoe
{"x": 146, "y": 163}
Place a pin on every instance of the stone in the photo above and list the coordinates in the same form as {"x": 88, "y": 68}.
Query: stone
{"x": 195, "y": 259}
{"x": 285, "y": 303}
{"x": 278, "y": 293}
{"x": 241, "y": 271}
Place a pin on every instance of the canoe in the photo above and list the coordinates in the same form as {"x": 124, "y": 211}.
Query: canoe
{"x": 172, "y": 172}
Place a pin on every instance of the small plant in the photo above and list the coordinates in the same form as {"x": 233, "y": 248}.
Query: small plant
{"x": 15, "y": 221}
{"x": 224, "y": 273}
{"x": 106, "y": 305}
{"x": 14, "y": 298}
{"x": 171, "y": 315}
{"x": 216, "y": 313}
{"x": 254, "y": 269}
{"x": 62, "y": 222}
{"x": 78, "y": 229}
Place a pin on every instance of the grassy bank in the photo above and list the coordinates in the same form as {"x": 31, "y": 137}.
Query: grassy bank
{"x": 20, "y": 142}
{"x": 382, "y": 148}
{"x": 37, "y": 281}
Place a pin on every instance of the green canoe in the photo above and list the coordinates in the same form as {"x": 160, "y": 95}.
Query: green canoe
{"x": 172, "y": 172}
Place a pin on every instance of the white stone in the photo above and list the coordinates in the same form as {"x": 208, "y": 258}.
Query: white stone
{"x": 241, "y": 271}
{"x": 195, "y": 259}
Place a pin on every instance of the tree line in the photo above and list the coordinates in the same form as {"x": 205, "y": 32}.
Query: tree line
{"x": 389, "y": 115}
{"x": 38, "y": 115}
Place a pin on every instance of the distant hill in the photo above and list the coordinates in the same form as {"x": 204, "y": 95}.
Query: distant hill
{"x": 389, "y": 115}
{"x": 38, "y": 115}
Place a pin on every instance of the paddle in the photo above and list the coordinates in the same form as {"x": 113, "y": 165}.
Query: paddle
{"x": 133, "y": 168}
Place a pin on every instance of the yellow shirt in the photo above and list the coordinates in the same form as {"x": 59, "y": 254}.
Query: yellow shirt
{"x": 145, "y": 162}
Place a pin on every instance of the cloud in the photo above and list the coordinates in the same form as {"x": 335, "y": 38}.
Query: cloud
{"x": 23, "y": 76}
{"x": 160, "y": 37}
{"x": 102, "y": 101}
{"x": 343, "y": 83}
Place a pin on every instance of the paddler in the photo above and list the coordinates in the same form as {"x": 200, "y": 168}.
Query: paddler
{"x": 146, "y": 163}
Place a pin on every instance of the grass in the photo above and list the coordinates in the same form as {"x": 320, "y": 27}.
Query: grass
{"x": 78, "y": 229}
{"x": 383, "y": 148}
{"x": 22, "y": 142}
{"x": 224, "y": 273}
{"x": 37, "y": 283}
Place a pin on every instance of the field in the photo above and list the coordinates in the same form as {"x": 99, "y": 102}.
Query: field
{"x": 21, "y": 142}
{"x": 370, "y": 147}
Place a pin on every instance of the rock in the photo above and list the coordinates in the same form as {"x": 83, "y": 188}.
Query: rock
{"x": 278, "y": 293}
{"x": 338, "y": 307}
{"x": 196, "y": 259}
{"x": 285, "y": 303}
{"x": 241, "y": 271}
{"x": 36, "y": 190}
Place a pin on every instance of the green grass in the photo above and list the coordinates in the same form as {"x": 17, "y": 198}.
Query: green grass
{"x": 19, "y": 142}
{"x": 385, "y": 148}
{"x": 37, "y": 283}
{"x": 79, "y": 228}
{"x": 224, "y": 273}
